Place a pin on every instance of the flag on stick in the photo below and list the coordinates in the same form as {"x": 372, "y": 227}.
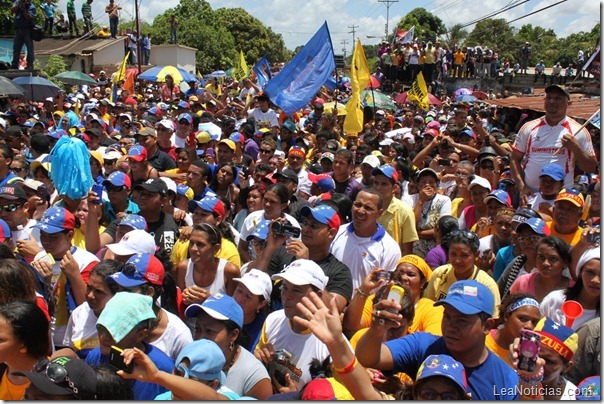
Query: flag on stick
{"x": 359, "y": 77}
{"x": 419, "y": 92}
{"x": 241, "y": 70}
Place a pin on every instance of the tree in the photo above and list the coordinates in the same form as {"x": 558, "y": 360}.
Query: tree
{"x": 543, "y": 43}
{"x": 55, "y": 65}
{"x": 493, "y": 33}
{"x": 427, "y": 25}
{"x": 456, "y": 35}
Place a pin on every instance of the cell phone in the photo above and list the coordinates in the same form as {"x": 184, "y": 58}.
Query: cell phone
{"x": 444, "y": 162}
{"x": 382, "y": 274}
{"x": 98, "y": 190}
{"x": 594, "y": 238}
{"x": 116, "y": 361}
{"x": 280, "y": 377}
{"x": 42, "y": 193}
{"x": 528, "y": 350}
{"x": 486, "y": 253}
{"x": 43, "y": 256}
{"x": 396, "y": 293}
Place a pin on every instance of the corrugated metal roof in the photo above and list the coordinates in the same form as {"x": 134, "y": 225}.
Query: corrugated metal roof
{"x": 582, "y": 106}
{"x": 76, "y": 46}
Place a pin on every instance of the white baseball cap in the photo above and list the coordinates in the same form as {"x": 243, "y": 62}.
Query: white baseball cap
{"x": 372, "y": 160}
{"x": 258, "y": 282}
{"x": 483, "y": 182}
{"x": 303, "y": 272}
{"x": 134, "y": 242}
{"x": 169, "y": 183}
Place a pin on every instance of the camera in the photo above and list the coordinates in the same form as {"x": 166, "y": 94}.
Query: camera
{"x": 245, "y": 170}
{"x": 444, "y": 162}
{"x": 445, "y": 144}
{"x": 285, "y": 229}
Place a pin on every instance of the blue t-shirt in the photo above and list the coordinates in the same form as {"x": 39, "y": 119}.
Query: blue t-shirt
{"x": 49, "y": 10}
{"x": 253, "y": 329}
{"x": 132, "y": 209}
{"x": 504, "y": 256}
{"x": 141, "y": 390}
{"x": 485, "y": 382}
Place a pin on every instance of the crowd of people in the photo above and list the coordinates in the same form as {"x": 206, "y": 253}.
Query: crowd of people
{"x": 226, "y": 250}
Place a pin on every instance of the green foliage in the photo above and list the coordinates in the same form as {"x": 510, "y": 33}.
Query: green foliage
{"x": 493, "y": 33}
{"x": 54, "y": 66}
{"x": 427, "y": 25}
{"x": 456, "y": 35}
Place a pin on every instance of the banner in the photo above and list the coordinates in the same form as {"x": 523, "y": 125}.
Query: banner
{"x": 595, "y": 119}
{"x": 359, "y": 77}
{"x": 300, "y": 80}
{"x": 263, "y": 71}
{"x": 119, "y": 75}
{"x": 419, "y": 92}
{"x": 593, "y": 64}
{"x": 404, "y": 36}
{"x": 241, "y": 70}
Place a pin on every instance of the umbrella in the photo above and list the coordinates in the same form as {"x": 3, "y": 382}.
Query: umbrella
{"x": 397, "y": 133}
{"x": 229, "y": 72}
{"x": 481, "y": 95}
{"x": 376, "y": 99}
{"x": 462, "y": 91}
{"x": 158, "y": 74}
{"x": 466, "y": 98}
{"x": 218, "y": 73}
{"x": 9, "y": 88}
{"x": 402, "y": 98}
{"x": 37, "y": 88}
{"x": 328, "y": 108}
{"x": 75, "y": 78}
{"x": 373, "y": 82}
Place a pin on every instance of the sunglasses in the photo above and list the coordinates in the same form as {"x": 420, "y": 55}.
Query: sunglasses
{"x": 130, "y": 270}
{"x": 265, "y": 151}
{"x": 109, "y": 162}
{"x": 487, "y": 167}
{"x": 427, "y": 393}
{"x": 10, "y": 208}
{"x": 113, "y": 188}
{"x": 470, "y": 235}
{"x": 18, "y": 169}
{"x": 56, "y": 373}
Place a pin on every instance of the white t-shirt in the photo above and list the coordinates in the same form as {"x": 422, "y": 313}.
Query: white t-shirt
{"x": 266, "y": 119}
{"x": 178, "y": 142}
{"x": 537, "y": 199}
{"x": 303, "y": 182}
{"x": 81, "y": 333}
{"x": 538, "y": 142}
{"x": 253, "y": 219}
{"x": 551, "y": 307}
{"x": 27, "y": 232}
{"x": 302, "y": 347}
{"x": 176, "y": 336}
{"x": 363, "y": 254}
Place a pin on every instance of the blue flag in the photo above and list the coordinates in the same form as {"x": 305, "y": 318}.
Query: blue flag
{"x": 263, "y": 71}
{"x": 300, "y": 80}
{"x": 330, "y": 83}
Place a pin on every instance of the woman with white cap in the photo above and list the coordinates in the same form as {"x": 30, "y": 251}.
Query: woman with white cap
{"x": 586, "y": 291}
{"x": 253, "y": 293}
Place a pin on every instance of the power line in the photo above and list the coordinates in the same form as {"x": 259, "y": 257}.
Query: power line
{"x": 494, "y": 13}
{"x": 534, "y": 12}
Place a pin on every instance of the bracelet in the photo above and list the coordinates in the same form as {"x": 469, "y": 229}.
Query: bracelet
{"x": 348, "y": 368}
{"x": 360, "y": 292}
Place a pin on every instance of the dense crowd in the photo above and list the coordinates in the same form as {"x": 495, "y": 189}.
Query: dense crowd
{"x": 224, "y": 250}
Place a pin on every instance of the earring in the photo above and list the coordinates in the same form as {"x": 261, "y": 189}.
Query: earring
{"x": 232, "y": 346}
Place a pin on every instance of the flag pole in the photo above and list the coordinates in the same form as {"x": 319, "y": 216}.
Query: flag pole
{"x": 577, "y": 131}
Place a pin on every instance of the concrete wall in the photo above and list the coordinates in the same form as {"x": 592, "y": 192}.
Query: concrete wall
{"x": 109, "y": 55}
{"x": 173, "y": 55}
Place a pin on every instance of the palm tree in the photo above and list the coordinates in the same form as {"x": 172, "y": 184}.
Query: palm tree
{"x": 456, "y": 35}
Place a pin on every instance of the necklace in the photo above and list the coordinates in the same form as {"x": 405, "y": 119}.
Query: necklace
{"x": 235, "y": 356}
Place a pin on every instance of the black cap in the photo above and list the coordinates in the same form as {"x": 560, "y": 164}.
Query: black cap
{"x": 93, "y": 132}
{"x": 14, "y": 130}
{"x": 13, "y": 193}
{"x": 80, "y": 380}
{"x": 154, "y": 185}
{"x": 287, "y": 173}
{"x": 331, "y": 146}
{"x": 486, "y": 151}
{"x": 557, "y": 88}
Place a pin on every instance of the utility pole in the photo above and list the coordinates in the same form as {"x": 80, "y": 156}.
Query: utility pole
{"x": 388, "y": 4}
{"x": 353, "y": 30}
{"x": 344, "y": 43}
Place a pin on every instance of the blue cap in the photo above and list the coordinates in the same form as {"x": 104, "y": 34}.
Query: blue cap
{"x": 469, "y": 297}
{"x": 289, "y": 125}
{"x": 125, "y": 311}
{"x": 589, "y": 389}
{"x": 56, "y": 219}
{"x": 261, "y": 231}
{"x": 56, "y": 134}
{"x": 4, "y": 231}
{"x": 187, "y": 117}
{"x": 443, "y": 365}
{"x": 135, "y": 221}
{"x": 220, "y": 307}
{"x": 209, "y": 204}
{"x": 206, "y": 361}
{"x": 386, "y": 170}
{"x": 323, "y": 214}
{"x": 139, "y": 269}
{"x": 555, "y": 171}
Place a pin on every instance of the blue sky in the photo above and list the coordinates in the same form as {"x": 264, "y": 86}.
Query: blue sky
{"x": 298, "y": 20}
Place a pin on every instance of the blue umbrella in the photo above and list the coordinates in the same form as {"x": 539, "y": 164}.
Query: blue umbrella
{"x": 466, "y": 98}
{"x": 157, "y": 74}
{"x": 462, "y": 91}
{"x": 37, "y": 88}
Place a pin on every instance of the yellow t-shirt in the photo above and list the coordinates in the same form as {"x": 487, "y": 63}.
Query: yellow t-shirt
{"x": 455, "y": 206}
{"x": 444, "y": 276}
{"x": 496, "y": 349}
{"x": 10, "y": 391}
{"x": 427, "y": 317}
{"x": 228, "y": 251}
{"x": 79, "y": 240}
{"x": 399, "y": 222}
{"x": 571, "y": 239}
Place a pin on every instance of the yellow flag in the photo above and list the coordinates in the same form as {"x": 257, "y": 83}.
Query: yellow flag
{"x": 419, "y": 92}
{"x": 119, "y": 75}
{"x": 241, "y": 70}
{"x": 359, "y": 77}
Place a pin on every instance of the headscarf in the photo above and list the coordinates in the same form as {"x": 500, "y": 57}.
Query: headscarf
{"x": 419, "y": 263}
